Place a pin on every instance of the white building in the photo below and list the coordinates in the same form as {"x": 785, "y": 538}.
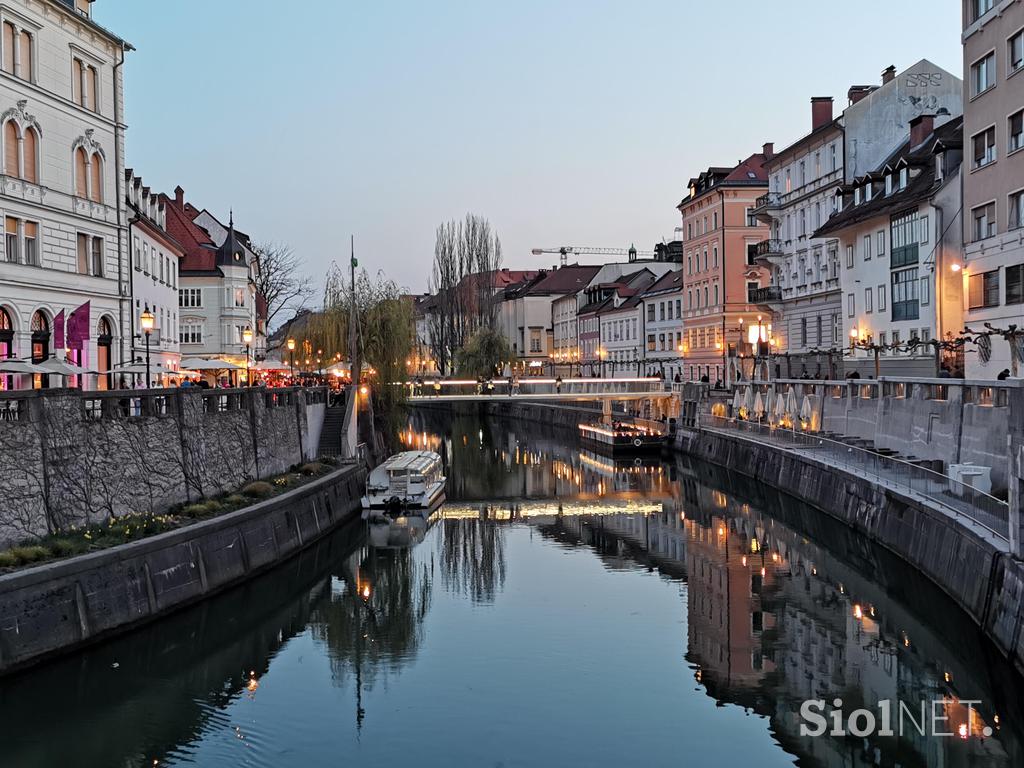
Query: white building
{"x": 622, "y": 334}
{"x": 217, "y": 297}
{"x": 898, "y": 249}
{"x": 664, "y": 344}
{"x": 63, "y": 269}
{"x": 154, "y": 259}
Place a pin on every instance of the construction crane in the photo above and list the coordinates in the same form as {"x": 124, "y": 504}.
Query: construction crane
{"x": 563, "y": 252}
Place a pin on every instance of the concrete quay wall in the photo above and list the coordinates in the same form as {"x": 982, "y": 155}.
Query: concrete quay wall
{"x": 984, "y": 581}
{"x": 57, "y": 607}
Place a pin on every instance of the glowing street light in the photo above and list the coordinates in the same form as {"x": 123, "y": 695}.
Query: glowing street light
{"x": 147, "y": 320}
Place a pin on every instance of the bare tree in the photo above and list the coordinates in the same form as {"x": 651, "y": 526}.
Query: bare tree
{"x": 279, "y": 279}
{"x": 467, "y": 254}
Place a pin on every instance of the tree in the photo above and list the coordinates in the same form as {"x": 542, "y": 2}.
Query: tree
{"x": 466, "y": 256}
{"x": 483, "y": 354}
{"x": 279, "y": 279}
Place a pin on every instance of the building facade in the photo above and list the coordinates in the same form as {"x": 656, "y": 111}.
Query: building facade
{"x": 993, "y": 187}
{"x": 64, "y": 281}
{"x": 621, "y": 351}
{"x": 900, "y": 293}
{"x": 723, "y": 282}
{"x": 154, "y": 259}
{"x": 662, "y": 327}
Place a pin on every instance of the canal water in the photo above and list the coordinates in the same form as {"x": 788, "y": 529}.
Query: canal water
{"x": 561, "y": 609}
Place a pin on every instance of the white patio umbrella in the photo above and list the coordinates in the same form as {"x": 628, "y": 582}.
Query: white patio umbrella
{"x": 61, "y": 367}
{"x": 10, "y": 366}
{"x": 807, "y": 411}
{"x": 758, "y": 406}
{"x": 199, "y": 364}
{"x": 748, "y": 399}
{"x": 791, "y": 404}
{"x": 780, "y": 406}
{"x": 737, "y": 401}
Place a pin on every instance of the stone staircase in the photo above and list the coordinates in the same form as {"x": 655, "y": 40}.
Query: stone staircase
{"x": 330, "y": 435}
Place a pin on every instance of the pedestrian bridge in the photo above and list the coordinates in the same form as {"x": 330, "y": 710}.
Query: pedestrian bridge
{"x": 531, "y": 388}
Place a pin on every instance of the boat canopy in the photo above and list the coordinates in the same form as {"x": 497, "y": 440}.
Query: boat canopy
{"x": 410, "y": 462}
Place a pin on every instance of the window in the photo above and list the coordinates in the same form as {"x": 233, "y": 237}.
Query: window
{"x": 880, "y": 242}
{"x": 661, "y": 310}
{"x": 904, "y": 178}
{"x": 679, "y": 307}
{"x": 751, "y": 219}
{"x": 239, "y": 297}
{"x": 84, "y": 85}
{"x": 849, "y": 257}
{"x": 904, "y": 239}
{"x": 1016, "y": 210}
{"x": 925, "y": 227}
{"x": 983, "y": 74}
{"x": 904, "y": 295}
{"x": 31, "y": 238}
{"x": 888, "y": 184}
{"x": 835, "y": 159}
{"x": 1015, "y": 131}
{"x": 716, "y": 294}
{"x": 1015, "y": 284}
{"x": 190, "y": 332}
{"x": 83, "y": 254}
{"x": 751, "y": 253}
{"x": 818, "y": 339}
{"x": 867, "y": 247}
{"x": 81, "y": 173}
{"x": 980, "y": 7}
{"x": 714, "y": 220}
{"x": 190, "y": 297}
{"x": 11, "y": 239}
{"x": 983, "y": 220}
{"x": 803, "y": 173}
{"x": 803, "y": 331}
{"x": 650, "y": 313}
{"x": 96, "y": 169}
{"x": 18, "y": 58}
{"x": 983, "y": 290}
{"x": 1015, "y": 53}
{"x": 851, "y": 305}
{"x": 984, "y": 145}
{"x": 21, "y": 152}
{"x": 789, "y": 181}
{"x": 97, "y": 256}
{"x": 534, "y": 334}
{"x": 868, "y": 303}
{"x": 715, "y": 253}
{"x": 836, "y": 323}
{"x": 881, "y": 298}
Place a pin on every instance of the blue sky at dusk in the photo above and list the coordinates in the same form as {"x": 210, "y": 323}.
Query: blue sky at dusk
{"x": 563, "y": 122}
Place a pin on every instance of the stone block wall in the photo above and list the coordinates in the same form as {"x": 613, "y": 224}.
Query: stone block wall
{"x": 72, "y": 457}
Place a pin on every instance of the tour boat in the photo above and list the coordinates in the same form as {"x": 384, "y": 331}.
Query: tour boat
{"x": 400, "y": 531}
{"x": 411, "y": 479}
{"x": 621, "y": 438}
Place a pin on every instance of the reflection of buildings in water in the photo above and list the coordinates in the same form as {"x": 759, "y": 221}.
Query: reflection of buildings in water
{"x": 772, "y": 622}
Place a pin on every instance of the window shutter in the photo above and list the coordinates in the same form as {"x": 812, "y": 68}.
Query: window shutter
{"x": 76, "y": 81}
{"x": 90, "y": 84}
{"x": 81, "y": 173}
{"x": 25, "y": 55}
{"x": 8, "y": 44}
{"x": 83, "y": 254}
{"x": 29, "y": 158}
{"x": 11, "y": 225}
{"x": 976, "y": 291}
{"x": 97, "y": 179}
{"x": 11, "y": 149}
{"x": 31, "y": 229}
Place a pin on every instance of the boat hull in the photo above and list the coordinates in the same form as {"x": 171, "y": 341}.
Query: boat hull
{"x": 424, "y": 500}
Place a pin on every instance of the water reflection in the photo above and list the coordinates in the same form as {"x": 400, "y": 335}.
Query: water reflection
{"x": 567, "y": 593}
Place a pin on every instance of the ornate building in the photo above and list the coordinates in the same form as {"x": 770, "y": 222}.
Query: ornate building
{"x": 64, "y": 281}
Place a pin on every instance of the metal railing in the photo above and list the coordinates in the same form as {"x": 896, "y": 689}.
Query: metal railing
{"x": 961, "y": 499}
{"x": 764, "y": 295}
{"x": 769, "y": 247}
{"x": 529, "y": 386}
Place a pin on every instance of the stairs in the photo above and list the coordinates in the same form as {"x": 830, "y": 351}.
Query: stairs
{"x": 330, "y": 435}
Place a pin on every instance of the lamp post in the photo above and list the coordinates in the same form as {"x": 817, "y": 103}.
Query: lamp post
{"x": 291, "y": 361}
{"x": 147, "y": 320}
{"x": 247, "y": 338}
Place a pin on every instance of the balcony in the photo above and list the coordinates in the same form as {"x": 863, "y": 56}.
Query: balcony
{"x": 769, "y": 296}
{"x": 769, "y": 252}
{"x": 766, "y": 205}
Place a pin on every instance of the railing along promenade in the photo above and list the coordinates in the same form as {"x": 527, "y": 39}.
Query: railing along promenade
{"x": 904, "y": 432}
{"x": 540, "y": 388}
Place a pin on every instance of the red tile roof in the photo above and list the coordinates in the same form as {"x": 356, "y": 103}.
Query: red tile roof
{"x": 200, "y": 250}
{"x": 569, "y": 279}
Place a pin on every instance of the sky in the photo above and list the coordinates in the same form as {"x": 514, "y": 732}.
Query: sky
{"x": 564, "y": 122}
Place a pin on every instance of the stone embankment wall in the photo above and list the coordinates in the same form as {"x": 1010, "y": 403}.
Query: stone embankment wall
{"x": 60, "y": 606}
{"x": 67, "y": 456}
{"x": 982, "y": 579}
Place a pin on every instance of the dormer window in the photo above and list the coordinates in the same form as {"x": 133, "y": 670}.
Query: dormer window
{"x": 867, "y": 192}
{"x": 856, "y": 196}
{"x": 888, "y": 183}
{"x": 904, "y": 174}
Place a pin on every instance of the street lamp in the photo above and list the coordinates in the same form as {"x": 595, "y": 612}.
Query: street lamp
{"x": 147, "y": 320}
{"x": 247, "y": 339}
{"x": 291, "y": 362}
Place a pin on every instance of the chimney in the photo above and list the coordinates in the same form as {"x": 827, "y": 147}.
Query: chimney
{"x": 888, "y": 74}
{"x": 821, "y": 111}
{"x": 858, "y": 92}
{"x": 179, "y": 196}
{"x": 921, "y": 128}
{"x": 768, "y": 150}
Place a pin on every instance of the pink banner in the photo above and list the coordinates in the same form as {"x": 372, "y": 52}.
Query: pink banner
{"x": 78, "y": 326}
{"x": 58, "y": 330}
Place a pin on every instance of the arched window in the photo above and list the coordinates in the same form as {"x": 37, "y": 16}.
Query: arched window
{"x": 11, "y": 149}
{"x": 97, "y": 178}
{"x": 81, "y": 174}
{"x": 39, "y": 322}
{"x": 30, "y": 155}
{"x": 5, "y": 321}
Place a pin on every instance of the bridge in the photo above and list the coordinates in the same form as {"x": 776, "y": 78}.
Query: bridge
{"x": 540, "y": 389}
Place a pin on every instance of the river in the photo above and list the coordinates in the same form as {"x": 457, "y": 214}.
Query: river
{"x": 561, "y": 609}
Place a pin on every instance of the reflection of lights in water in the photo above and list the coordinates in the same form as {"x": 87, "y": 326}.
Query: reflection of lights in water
{"x": 947, "y": 677}
{"x": 253, "y": 683}
{"x": 763, "y": 572}
{"x": 721, "y": 530}
{"x": 858, "y": 613}
{"x": 755, "y": 547}
{"x": 962, "y": 730}
{"x": 743, "y": 560}
{"x": 775, "y": 557}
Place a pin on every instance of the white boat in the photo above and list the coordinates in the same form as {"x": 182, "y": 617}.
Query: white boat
{"x": 411, "y": 479}
{"x": 405, "y": 530}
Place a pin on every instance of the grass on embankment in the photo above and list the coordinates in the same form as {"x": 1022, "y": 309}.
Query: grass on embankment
{"x": 132, "y": 527}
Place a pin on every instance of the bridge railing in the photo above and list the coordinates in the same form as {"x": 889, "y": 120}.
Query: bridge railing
{"x": 537, "y": 386}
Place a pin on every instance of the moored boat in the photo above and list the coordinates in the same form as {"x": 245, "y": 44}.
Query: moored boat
{"x": 621, "y": 438}
{"x": 411, "y": 479}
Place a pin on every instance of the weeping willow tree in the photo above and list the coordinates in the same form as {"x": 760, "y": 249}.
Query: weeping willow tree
{"x": 385, "y": 331}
